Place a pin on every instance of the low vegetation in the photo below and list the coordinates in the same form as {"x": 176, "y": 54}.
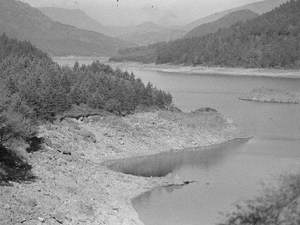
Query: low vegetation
{"x": 278, "y": 206}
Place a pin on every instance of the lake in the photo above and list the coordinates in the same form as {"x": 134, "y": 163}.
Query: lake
{"x": 225, "y": 175}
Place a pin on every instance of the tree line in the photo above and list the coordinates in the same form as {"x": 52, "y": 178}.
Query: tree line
{"x": 34, "y": 89}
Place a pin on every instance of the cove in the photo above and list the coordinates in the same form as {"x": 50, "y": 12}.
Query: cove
{"x": 162, "y": 164}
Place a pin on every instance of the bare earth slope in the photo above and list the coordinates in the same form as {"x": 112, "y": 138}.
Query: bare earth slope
{"x": 74, "y": 188}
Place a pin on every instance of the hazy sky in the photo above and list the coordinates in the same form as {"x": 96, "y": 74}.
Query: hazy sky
{"x": 130, "y": 12}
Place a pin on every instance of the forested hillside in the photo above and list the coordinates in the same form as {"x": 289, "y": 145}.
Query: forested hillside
{"x": 258, "y": 7}
{"x": 224, "y": 22}
{"x": 34, "y": 88}
{"x": 270, "y": 40}
{"x": 20, "y": 20}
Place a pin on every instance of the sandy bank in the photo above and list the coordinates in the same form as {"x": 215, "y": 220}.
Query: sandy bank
{"x": 73, "y": 187}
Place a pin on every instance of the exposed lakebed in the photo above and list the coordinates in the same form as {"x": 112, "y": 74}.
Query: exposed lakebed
{"x": 226, "y": 175}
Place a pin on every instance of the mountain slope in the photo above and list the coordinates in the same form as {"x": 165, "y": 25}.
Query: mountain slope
{"x": 257, "y": 7}
{"x": 20, "y": 20}
{"x": 149, "y": 33}
{"x": 73, "y": 17}
{"x": 79, "y": 19}
{"x": 224, "y": 22}
{"x": 270, "y": 40}
{"x": 142, "y": 34}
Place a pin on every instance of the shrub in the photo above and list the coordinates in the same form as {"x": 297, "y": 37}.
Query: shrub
{"x": 277, "y": 206}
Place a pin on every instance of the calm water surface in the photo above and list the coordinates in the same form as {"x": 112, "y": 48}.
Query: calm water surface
{"x": 226, "y": 175}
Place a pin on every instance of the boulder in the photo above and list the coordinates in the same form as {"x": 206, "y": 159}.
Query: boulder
{"x": 87, "y": 136}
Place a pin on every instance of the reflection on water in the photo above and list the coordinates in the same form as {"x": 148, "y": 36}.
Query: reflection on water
{"x": 162, "y": 164}
{"x": 236, "y": 175}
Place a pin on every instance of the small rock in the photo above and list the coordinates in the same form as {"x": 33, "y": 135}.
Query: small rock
{"x": 114, "y": 149}
{"x": 88, "y": 136}
{"x": 6, "y": 206}
{"x": 23, "y": 220}
{"x": 66, "y": 153}
{"x": 108, "y": 135}
{"x": 41, "y": 219}
{"x": 76, "y": 127}
{"x": 32, "y": 203}
{"x": 58, "y": 217}
{"x": 48, "y": 142}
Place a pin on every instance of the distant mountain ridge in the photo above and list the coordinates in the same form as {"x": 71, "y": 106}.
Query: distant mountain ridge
{"x": 271, "y": 40}
{"x": 224, "y": 22}
{"x": 257, "y": 7}
{"x": 150, "y": 33}
{"x": 20, "y": 20}
{"x": 74, "y": 17}
{"x": 142, "y": 34}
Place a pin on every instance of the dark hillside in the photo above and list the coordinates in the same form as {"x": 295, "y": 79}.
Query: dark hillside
{"x": 270, "y": 40}
{"x": 224, "y": 22}
{"x": 259, "y": 7}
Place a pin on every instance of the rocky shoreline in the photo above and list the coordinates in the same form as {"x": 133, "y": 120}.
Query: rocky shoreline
{"x": 74, "y": 187}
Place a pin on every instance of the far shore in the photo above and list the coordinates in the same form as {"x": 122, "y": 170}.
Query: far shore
{"x": 171, "y": 68}
{"x": 259, "y": 72}
{"x": 229, "y": 71}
